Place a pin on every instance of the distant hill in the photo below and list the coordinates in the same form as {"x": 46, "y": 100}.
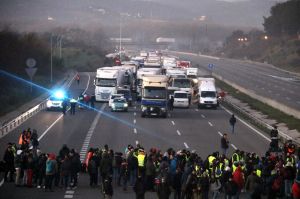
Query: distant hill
{"x": 33, "y": 14}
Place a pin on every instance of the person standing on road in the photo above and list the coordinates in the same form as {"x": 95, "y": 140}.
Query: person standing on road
{"x": 73, "y": 106}
{"x": 224, "y": 144}
{"x": 274, "y": 139}
{"x": 171, "y": 103}
{"x": 78, "y": 79}
{"x": 8, "y": 159}
{"x": 93, "y": 100}
{"x": 51, "y": 169}
{"x": 232, "y": 122}
{"x": 64, "y": 106}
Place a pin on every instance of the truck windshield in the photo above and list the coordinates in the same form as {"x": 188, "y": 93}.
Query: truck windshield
{"x": 126, "y": 93}
{"x": 156, "y": 93}
{"x": 208, "y": 94}
{"x": 106, "y": 82}
{"x": 180, "y": 95}
{"x": 182, "y": 83}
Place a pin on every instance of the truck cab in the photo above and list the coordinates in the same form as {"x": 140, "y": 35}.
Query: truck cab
{"x": 154, "y": 96}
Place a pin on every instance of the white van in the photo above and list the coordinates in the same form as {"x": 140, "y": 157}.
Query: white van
{"x": 207, "y": 93}
{"x": 181, "y": 99}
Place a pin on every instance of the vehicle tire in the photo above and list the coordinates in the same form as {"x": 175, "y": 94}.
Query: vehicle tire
{"x": 164, "y": 115}
{"x": 199, "y": 106}
{"x": 143, "y": 115}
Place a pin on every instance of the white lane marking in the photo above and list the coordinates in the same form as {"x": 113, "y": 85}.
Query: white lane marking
{"x": 70, "y": 192}
{"x": 245, "y": 123}
{"x": 135, "y": 131}
{"x": 134, "y": 113}
{"x": 186, "y": 146}
{"x": 178, "y": 132}
{"x": 88, "y": 83}
{"x": 234, "y": 147}
{"x": 269, "y": 91}
{"x": 196, "y": 109}
{"x": 135, "y": 107}
{"x": 68, "y": 196}
{"x": 50, "y": 127}
{"x": 288, "y": 98}
{"x": 298, "y": 102}
{"x": 203, "y": 116}
{"x": 220, "y": 133}
{"x": 45, "y": 132}
{"x": 88, "y": 137}
{"x": 262, "y": 88}
{"x": 136, "y": 142}
{"x": 173, "y": 122}
{"x": 2, "y": 182}
{"x": 210, "y": 124}
{"x": 134, "y": 121}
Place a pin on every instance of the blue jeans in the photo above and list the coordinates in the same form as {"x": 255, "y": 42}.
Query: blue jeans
{"x": 133, "y": 176}
{"x": 288, "y": 187}
{"x": 232, "y": 128}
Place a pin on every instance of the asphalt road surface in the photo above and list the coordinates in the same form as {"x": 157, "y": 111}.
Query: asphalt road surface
{"x": 190, "y": 129}
{"x": 263, "y": 79}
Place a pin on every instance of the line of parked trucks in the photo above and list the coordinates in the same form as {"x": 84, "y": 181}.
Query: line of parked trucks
{"x": 156, "y": 79}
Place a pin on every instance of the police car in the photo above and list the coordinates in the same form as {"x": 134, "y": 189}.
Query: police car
{"x": 55, "y": 101}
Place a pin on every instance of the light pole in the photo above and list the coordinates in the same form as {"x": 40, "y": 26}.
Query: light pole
{"x": 51, "y": 60}
{"x": 120, "y": 39}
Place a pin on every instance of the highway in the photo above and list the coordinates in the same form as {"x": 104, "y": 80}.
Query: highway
{"x": 191, "y": 129}
{"x": 263, "y": 79}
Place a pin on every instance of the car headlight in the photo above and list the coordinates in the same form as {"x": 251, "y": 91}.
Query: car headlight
{"x": 144, "y": 108}
{"x": 113, "y": 105}
{"x": 49, "y": 104}
{"x": 163, "y": 109}
{"x": 125, "y": 105}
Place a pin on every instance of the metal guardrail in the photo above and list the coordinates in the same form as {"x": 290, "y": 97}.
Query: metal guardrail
{"x": 9, "y": 126}
{"x": 256, "y": 121}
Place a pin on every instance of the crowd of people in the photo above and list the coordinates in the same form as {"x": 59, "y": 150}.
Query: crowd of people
{"x": 179, "y": 174}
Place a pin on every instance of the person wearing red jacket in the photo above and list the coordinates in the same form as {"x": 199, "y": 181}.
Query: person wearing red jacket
{"x": 238, "y": 178}
{"x": 296, "y": 189}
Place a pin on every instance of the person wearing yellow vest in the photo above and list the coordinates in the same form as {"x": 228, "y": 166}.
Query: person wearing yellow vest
{"x": 141, "y": 156}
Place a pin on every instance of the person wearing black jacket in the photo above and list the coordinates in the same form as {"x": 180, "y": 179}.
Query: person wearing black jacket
{"x": 75, "y": 167}
{"x": 224, "y": 144}
{"x": 232, "y": 122}
{"x": 9, "y": 163}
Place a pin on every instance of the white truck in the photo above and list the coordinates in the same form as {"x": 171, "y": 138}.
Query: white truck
{"x": 207, "y": 95}
{"x": 183, "y": 84}
{"x": 107, "y": 80}
{"x": 139, "y": 78}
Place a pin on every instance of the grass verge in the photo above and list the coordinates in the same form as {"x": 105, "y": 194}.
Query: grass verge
{"x": 272, "y": 113}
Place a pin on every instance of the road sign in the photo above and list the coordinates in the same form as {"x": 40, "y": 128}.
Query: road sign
{"x": 30, "y": 62}
{"x": 211, "y": 66}
{"x": 31, "y": 72}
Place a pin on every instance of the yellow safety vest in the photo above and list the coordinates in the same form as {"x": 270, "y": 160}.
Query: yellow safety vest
{"x": 235, "y": 158}
{"x": 219, "y": 167}
{"x": 141, "y": 158}
{"x": 211, "y": 159}
{"x": 258, "y": 172}
{"x": 233, "y": 168}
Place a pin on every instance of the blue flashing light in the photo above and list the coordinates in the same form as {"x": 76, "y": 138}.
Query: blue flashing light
{"x": 59, "y": 94}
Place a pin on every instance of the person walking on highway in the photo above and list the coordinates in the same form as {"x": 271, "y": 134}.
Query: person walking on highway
{"x": 78, "y": 79}
{"x": 224, "y": 144}
{"x": 232, "y": 122}
{"x": 171, "y": 103}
